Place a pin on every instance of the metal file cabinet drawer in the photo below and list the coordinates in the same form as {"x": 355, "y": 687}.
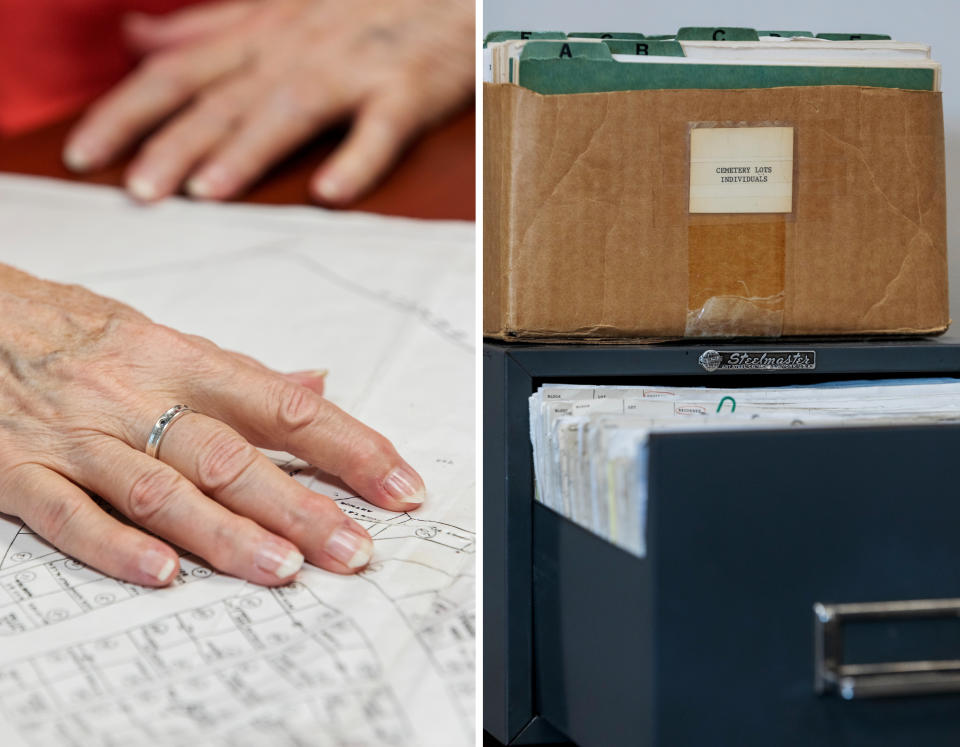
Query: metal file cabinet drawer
{"x": 711, "y": 638}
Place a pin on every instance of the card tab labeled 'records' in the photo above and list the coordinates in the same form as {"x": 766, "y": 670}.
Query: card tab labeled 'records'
{"x": 741, "y": 169}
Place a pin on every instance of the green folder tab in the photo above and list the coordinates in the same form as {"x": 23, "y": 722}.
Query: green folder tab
{"x": 661, "y": 37}
{"x": 707, "y": 33}
{"x": 654, "y": 47}
{"x": 606, "y": 35}
{"x": 552, "y": 67}
{"x": 501, "y": 36}
{"x": 785, "y": 33}
{"x": 853, "y": 37}
{"x": 568, "y": 50}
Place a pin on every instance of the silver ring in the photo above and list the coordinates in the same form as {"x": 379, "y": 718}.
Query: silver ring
{"x": 160, "y": 427}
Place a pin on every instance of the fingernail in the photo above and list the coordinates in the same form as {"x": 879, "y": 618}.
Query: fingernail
{"x": 197, "y": 187}
{"x": 209, "y": 181}
{"x": 316, "y": 373}
{"x": 403, "y": 484}
{"x": 142, "y": 189}
{"x": 329, "y": 188}
{"x": 351, "y": 546}
{"x": 158, "y": 565}
{"x": 76, "y": 158}
{"x": 280, "y": 560}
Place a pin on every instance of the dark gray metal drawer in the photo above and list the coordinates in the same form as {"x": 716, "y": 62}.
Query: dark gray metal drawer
{"x": 710, "y": 638}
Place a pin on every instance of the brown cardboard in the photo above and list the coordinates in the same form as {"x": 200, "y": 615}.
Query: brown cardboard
{"x": 587, "y": 233}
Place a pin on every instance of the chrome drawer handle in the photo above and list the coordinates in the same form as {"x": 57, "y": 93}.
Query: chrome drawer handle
{"x": 888, "y": 679}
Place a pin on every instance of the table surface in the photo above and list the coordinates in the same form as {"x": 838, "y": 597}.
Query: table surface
{"x": 434, "y": 179}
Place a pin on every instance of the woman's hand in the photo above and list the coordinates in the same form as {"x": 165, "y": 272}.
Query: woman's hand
{"x": 247, "y": 81}
{"x": 83, "y": 379}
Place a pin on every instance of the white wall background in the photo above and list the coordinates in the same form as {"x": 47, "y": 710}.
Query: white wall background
{"x": 933, "y": 22}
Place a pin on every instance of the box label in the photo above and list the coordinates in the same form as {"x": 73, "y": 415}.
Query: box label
{"x": 741, "y": 170}
{"x": 758, "y": 360}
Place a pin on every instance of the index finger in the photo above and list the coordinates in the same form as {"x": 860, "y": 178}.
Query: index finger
{"x": 275, "y": 413}
{"x": 162, "y": 84}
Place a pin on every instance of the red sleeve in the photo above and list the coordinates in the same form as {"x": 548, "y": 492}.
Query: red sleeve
{"x": 58, "y": 55}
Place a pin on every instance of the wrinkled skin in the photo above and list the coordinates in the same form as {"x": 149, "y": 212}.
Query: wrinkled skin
{"x": 239, "y": 84}
{"x": 83, "y": 379}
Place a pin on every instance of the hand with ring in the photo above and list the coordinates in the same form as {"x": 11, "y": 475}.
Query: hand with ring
{"x": 90, "y": 388}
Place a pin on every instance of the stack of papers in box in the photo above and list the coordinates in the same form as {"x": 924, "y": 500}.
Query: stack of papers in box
{"x": 555, "y": 62}
{"x": 590, "y": 442}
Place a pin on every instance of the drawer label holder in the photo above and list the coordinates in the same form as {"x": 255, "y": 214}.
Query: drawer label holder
{"x": 758, "y": 360}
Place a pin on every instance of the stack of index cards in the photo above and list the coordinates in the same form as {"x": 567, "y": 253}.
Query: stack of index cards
{"x": 590, "y": 442}
{"x": 698, "y": 57}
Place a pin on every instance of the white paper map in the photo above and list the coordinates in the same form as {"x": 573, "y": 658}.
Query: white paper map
{"x": 382, "y": 658}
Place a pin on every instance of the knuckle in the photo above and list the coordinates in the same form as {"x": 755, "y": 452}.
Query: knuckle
{"x": 223, "y": 461}
{"x": 12, "y": 473}
{"x": 152, "y": 492}
{"x": 123, "y": 333}
{"x": 228, "y": 536}
{"x": 120, "y": 328}
{"x": 192, "y": 347}
{"x": 167, "y": 73}
{"x": 165, "y": 336}
{"x": 186, "y": 351}
{"x": 395, "y": 111}
{"x": 296, "y": 406}
{"x": 304, "y": 514}
{"x": 162, "y": 147}
{"x": 299, "y": 103}
{"x": 368, "y": 447}
{"x": 218, "y": 104}
{"x": 293, "y": 96}
{"x": 57, "y": 518}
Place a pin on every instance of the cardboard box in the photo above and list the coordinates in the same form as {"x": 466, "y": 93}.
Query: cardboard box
{"x": 589, "y": 233}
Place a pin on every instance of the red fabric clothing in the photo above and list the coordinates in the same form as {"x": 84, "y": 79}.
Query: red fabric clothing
{"x": 58, "y": 55}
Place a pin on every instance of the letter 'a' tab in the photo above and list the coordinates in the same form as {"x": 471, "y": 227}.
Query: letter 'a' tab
{"x": 725, "y": 33}
{"x": 549, "y": 50}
